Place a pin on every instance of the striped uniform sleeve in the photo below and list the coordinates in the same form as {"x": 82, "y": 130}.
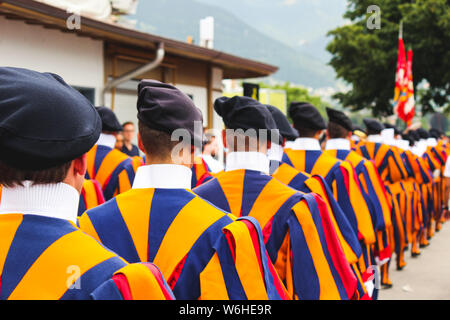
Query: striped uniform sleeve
{"x": 319, "y": 267}
{"x": 137, "y": 281}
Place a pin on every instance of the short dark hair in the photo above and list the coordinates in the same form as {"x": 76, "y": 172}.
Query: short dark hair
{"x": 127, "y": 123}
{"x": 13, "y": 177}
{"x": 157, "y": 143}
{"x": 305, "y": 132}
{"x": 336, "y": 131}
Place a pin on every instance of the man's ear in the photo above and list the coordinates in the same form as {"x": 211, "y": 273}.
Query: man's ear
{"x": 140, "y": 144}
{"x": 80, "y": 165}
{"x": 284, "y": 142}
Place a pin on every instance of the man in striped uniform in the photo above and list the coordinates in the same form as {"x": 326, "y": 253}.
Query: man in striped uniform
{"x": 339, "y": 132}
{"x": 297, "y": 228}
{"x": 113, "y": 169}
{"x": 392, "y": 171}
{"x": 43, "y": 255}
{"x": 307, "y": 183}
{"x": 306, "y": 155}
{"x": 204, "y": 252}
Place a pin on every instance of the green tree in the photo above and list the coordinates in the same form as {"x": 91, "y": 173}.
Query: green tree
{"x": 301, "y": 94}
{"x": 367, "y": 58}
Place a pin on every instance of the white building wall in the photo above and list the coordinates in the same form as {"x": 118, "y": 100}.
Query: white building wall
{"x": 79, "y": 61}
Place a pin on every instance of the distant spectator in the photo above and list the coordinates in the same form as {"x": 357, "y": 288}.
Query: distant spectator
{"x": 210, "y": 152}
{"x": 128, "y": 135}
{"x": 119, "y": 142}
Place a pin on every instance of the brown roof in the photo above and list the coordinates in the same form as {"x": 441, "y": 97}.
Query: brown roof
{"x": 33, "y": 12}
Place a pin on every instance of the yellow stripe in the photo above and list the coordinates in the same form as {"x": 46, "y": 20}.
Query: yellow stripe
{"x": 124, "y": 182}
{"x": 8, "y": 227}
{"x": 297, "y": 158}
{"x": 232, "y": 183}
{"x": 247, "y": 264}
{"x": 90, "y": 194}
{"x": 142, "y": 282}
{"x": 359, "y": 205}
{"x": 323, "y": 165}
{"x": 184, "y": 230}
{"x": 90, "y": 160}
{"x": 269, "y": 201}
{"x": 285, "y": 173}
{"x": 328, "y": 288}
{"x": 49, "y": 276}
{"x": 212, "y": 284}
{"x": 108, "y": 165}
{"x": 136, "y": 214}
{"x": 87, "y": 227}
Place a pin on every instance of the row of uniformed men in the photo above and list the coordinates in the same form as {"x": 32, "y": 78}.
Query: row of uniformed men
{"x": 317, "y": 238}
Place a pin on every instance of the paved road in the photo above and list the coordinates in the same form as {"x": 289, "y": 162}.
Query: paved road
{"x": 426, "y": 277}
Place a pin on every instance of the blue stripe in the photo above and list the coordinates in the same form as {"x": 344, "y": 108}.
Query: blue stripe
{"x": 364, "y": 152}
{"x": 315, "y": 213}
{"x": 93, "y": 278}
{"x": 342, "y": 154}
{"x": 108, "y": 222}
{"x": 81, "y": 205}
{"x": 100, "y": 154}
{"x": 311, "y": 157}
{"x": 343, "y": 199}
{"x": 212, "y": 192}
{"x": 280, "y": 226}
{"x": 166, "y": 205}
{"x": 34, "y": 235}
{"x": 298, "y": 183}
{"x": 188, "y": 283}
{"x": 254, "y": 183}
{"x": 286, "y": 160}
{"x": 113, "y": 184}
{"x": 343, "y": 223}
{"x": 305, "y": 278}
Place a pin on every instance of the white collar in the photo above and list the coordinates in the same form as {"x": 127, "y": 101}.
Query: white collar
{"x": 306, "y": 144}
{"x": 163, "y": 176}
{"x": 256, "y": 161}
{"x": 58, "y": 200}
{"x": 107, "y": 140}
{"x": 374, "y": 138}
{"x": 337, "y": 144}
{"x": 387, "y": 134}
{"x": 431, "y": 142}
{"x": 275, "y": 152}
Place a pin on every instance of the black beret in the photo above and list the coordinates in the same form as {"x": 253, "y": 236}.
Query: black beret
{"x": 414, "y": 135}
{"x": 435, "y": 133}
{"x": 306, "y": 115}
{"x": 163, "y": 107}
{"x": 339, "y": 118}
{"x": 282, "y": 123}
{"x": 109, "y": 120}
{"x": 423, "y": 134}
{"x": 244, "y": 113}
{"x": 373, "y": 125}
{"x": 44, "y": 122}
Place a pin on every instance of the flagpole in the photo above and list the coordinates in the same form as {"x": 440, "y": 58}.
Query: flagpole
{"x": 400, "y": 31}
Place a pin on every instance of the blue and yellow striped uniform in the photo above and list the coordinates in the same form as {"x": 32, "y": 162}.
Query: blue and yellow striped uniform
{"x": 114, "y": 170}
{"x": 203, "y": 252}
{"x": 91, "y": 196}
{"x": 297, "y": 229}
{"x": 44, "y": 258}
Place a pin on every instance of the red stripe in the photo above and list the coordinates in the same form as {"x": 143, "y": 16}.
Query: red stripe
{"x": 155, "y": 271}
{"x": 277, "y": 281}
{"x": 256, "y": 245}
{"x": 172, "y": 281}
{"x": 267, "y": 230}
{"x": 98, "y": 191}
{"x": 336, "y": 252}
{"x": 124, "y": 287}
{"x": 231, "y": 243}
{"x": 345, "y": 175}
